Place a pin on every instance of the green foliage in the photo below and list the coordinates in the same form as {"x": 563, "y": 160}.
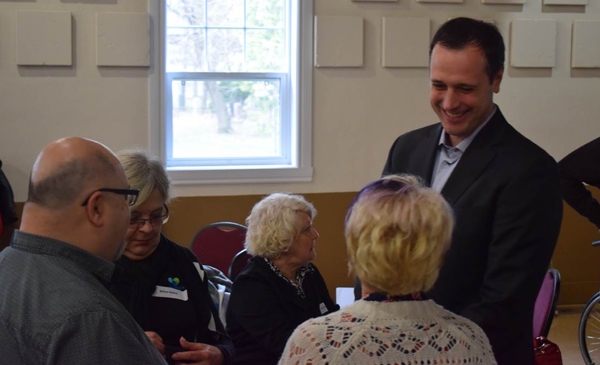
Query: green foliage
{"x": 235, "y": 91}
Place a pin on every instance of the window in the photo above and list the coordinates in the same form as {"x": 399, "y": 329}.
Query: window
{"x": 232, "y": 74}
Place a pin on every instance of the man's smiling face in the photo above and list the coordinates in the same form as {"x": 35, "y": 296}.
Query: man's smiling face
{"x": 461, "y": 92}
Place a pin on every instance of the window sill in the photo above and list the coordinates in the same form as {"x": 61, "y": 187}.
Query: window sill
{"x": 249, "y": 174}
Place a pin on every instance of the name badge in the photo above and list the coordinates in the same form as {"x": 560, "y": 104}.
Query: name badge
{"x": 166, "y": 292}
{"x": 323, "y": 308}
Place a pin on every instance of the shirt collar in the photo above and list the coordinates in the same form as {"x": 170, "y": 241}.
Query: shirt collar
{"x": 98, "y": 266}
{"x": 464, "y": 144}
{"x": 300, "y": 274}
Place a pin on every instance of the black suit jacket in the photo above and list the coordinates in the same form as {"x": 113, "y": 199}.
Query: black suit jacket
{"x": 507, "y": 204}
{"x": 264, "y": 310}
{"x": 578, "y": 167}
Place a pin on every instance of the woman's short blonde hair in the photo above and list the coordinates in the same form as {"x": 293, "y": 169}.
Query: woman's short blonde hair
{"x": 145, "y": 172}
{"x": 273, "y": 224}
{"x": 397, "y": 232}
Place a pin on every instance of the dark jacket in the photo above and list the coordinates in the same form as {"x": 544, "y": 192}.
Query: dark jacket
{"x": 176, "y": 268}
{"x": 506, "y": 198}
{"x": 8, "y": 213}
{"x": 578, "y": 167}
{"x": 264, "y": 310}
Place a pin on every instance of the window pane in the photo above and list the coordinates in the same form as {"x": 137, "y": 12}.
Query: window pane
{"x": 265, "y": 51}
{"x": 264, "y": 13}
{"x": 213, "y": 119}
{"x": 185, "y": 13}
{"x": 225, "y": 13}
{"x": 185, "y": 50}
{"x": 225, "y": 50}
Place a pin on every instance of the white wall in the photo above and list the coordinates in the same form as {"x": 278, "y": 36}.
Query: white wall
{"x": 357, "y": 112}
{"x": 41, "y": 104}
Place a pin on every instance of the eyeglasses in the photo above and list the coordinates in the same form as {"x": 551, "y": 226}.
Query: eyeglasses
{"x": 154, "y": 221}
{"x": 131, "y": 195}
{"x": 308, "y": 230}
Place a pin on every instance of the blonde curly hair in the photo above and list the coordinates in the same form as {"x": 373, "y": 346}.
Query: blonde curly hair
{"x": 397, "y": 232}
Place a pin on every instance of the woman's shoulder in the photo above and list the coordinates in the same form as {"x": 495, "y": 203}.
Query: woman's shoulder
{"x": 256, "y": 270}
{"x": 450, "y": 317}
{"x": 464, "y": 324}
{"x": 344, "y": 319}
{"x": 328, "y": 333}
{"x": 177, "y": 249}
{"x": 362, "y": 324}
{"x": 319, "y": 326}
{"x": 459, "y": 326}
{"x": 253, "y": 285}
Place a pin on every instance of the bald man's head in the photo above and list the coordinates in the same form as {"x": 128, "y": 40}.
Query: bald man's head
{"x": 66, "y": 168}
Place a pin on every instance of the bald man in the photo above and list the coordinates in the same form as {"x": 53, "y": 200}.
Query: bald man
{"x": 54, "y": 305}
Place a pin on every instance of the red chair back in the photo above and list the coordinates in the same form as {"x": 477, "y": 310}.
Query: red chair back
{"x": 545, "y": 304}
{"x": 217, "y": 244}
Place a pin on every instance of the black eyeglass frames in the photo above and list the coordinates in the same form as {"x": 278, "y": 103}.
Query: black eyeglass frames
{"x": 130, "y": 194}
{"x": 154, "y": 221}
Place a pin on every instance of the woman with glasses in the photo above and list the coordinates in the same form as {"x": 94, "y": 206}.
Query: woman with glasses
{"x": 280, "y": 287}
{"x": 397, "y": 232}
{"x": 161, "y": 283}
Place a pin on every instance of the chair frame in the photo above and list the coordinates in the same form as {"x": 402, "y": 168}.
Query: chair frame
{"x": 217, "y": 224}
{"x": 238, "y": 256}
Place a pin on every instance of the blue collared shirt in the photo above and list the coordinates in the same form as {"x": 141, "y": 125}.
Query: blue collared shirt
{"x": 447, "y": 156}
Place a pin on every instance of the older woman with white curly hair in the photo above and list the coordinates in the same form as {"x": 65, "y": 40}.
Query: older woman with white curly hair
{"x": 397, "y": 232}
{"x": 280, "y": 287}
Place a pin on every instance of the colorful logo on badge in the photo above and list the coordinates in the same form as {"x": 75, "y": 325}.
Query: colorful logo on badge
{"x": 175, "y": 283}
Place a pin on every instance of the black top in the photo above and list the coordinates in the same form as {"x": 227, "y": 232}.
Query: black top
{"x": 264, "y": 310}
{"x": 582, "y": 166}
{"x": 166, "y": 294}
{"x": 8, "y": 213}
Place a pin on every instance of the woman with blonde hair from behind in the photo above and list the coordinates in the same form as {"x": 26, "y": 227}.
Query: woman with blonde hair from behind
{"x": 397, "y": 232}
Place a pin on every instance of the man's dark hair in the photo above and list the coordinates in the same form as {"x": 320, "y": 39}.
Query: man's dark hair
{"x": 460, "y": 33}
{"x": 64, "y": 185}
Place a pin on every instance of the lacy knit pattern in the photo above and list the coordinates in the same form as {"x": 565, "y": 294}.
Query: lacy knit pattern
{"x": 393, "y": 333}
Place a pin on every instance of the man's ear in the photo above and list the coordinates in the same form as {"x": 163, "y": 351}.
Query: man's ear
{"x": 95, "y": 208}
{"x": 497, "y": 80}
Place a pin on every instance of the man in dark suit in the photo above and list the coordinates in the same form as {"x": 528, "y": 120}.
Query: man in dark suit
{"x": 503, "y": 188}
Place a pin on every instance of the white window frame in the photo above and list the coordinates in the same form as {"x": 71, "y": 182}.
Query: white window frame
{"x": 300, "y": 105}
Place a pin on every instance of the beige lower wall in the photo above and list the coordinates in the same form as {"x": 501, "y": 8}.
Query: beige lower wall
{"x": 190, "y": 214}
{"x": 577, "y": 261}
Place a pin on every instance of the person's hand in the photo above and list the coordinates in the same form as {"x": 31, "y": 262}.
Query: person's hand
{"x": 197, "y": 354}
{"x": 156, "y": 341}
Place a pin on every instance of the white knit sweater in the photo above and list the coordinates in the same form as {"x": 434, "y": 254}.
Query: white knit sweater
{"x": 378, "y": 333}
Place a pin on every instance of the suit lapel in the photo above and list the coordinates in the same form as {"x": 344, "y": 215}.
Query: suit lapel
{"x": 475, "y": 159}
{"x": 425, "y": 155}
